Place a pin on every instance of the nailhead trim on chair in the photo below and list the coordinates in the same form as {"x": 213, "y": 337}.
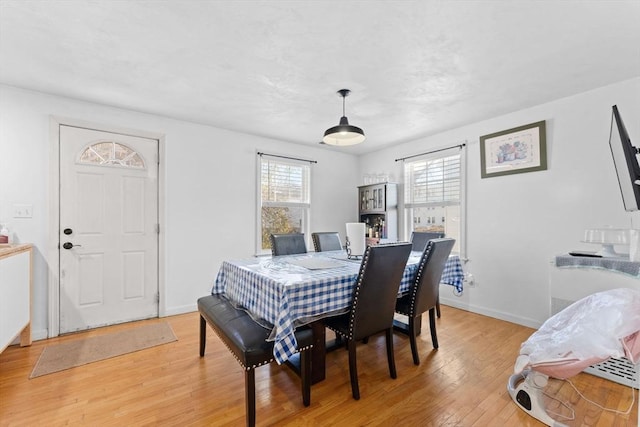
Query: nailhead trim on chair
{"x": 365, "y": 260}
{"x": 421, "y": 268}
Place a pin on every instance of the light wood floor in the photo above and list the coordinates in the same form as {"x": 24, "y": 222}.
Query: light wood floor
{"x": 461, "y": 384}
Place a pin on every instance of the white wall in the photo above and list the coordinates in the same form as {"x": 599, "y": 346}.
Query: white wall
{"x": 209, "y": 197}
{"x": 516, "y": 224}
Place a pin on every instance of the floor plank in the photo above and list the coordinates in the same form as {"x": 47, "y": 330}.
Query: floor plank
{"x": 463, "y": 383}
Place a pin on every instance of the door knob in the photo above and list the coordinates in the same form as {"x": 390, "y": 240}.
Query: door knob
{"x": 68, "y": 245}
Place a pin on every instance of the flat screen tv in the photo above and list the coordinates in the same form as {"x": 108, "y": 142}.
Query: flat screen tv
{"x": 626, "y": 162}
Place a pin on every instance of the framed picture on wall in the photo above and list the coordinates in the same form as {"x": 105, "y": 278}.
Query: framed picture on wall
{"x": 518, "y": 150}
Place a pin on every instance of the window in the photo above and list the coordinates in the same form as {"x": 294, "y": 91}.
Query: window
{"x": 434, "y": 194}
{"x": 111, "y": 154}
{"x": 284, "y": 200}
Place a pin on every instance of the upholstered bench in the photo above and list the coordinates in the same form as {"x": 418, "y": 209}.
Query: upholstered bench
{"x": 247, "y": 340}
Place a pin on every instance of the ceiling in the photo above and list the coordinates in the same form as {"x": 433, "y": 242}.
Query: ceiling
{"x": 272, "y": 68}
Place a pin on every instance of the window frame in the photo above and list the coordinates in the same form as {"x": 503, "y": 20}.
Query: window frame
{"x": 408, "y": 205}
{"x": 306, "y": 206}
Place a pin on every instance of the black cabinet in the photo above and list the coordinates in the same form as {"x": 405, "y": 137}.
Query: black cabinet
{"x": 378, "y": 209}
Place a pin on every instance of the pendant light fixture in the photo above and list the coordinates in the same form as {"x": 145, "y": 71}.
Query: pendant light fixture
{"x": 343, "y": 134}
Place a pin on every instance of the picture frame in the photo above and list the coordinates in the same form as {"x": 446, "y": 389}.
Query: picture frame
{"x": 517, "y": 150}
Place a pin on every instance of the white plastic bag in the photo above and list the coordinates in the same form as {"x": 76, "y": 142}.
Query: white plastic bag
{"x": 591, "y": 328}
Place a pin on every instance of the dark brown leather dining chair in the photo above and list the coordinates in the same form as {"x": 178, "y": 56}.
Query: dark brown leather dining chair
{"x": 419, "y": 239}
{"x": 326, "y": 241}
{"x": 424, "y": 291}
{"x": 288, "y": 244}
{"x": 374, "y": 299}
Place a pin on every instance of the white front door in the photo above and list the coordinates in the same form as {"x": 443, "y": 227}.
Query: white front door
{"x": 108, "y": 228}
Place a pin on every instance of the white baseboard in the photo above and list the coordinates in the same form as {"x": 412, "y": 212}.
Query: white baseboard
{"x": 172, "y": 311}
{"x": 524, "y": 321}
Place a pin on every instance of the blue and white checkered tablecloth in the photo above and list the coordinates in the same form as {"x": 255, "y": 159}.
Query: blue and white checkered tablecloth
{"x": 277, "y": 292}
{"x": 453, "y": 274}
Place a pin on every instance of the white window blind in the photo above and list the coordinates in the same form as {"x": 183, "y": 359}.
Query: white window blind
{"x": 284, "y": 182}
{"x": 432, "y": 181}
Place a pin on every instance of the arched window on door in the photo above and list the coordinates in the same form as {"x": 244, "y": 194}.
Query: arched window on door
{"x": 109, "y": 153}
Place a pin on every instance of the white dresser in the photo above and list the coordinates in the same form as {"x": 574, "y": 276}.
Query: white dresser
{"x": 15, "y": 294}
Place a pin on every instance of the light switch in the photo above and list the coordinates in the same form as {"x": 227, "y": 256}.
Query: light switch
{"x": 22, "y": 211}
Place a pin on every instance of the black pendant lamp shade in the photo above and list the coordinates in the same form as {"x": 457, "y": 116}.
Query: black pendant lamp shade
{"x": 343, "y": 134}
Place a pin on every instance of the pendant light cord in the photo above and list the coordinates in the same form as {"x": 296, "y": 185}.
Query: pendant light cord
{"x": 343, "y": 110}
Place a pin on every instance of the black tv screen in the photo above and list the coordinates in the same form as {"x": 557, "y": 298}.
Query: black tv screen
{"x": 625, "y": 161}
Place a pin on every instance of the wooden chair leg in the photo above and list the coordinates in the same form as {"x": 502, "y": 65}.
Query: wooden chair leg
{"x": 203, "y": 335}
{"x": 438, "y": 307}
{"x": 432, "y": 326}
{"x": 390, "y": 357}
{"x": 305, "y": 374}
{"x": 413, "y": 341}
{"x": 353, "y": 370}
{"x": 250, "y": 396}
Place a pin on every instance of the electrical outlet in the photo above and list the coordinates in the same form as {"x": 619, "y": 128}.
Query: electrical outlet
{"x": 22, "y": 211}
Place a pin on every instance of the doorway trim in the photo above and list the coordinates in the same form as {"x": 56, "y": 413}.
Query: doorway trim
{"x": 54, "y": 212}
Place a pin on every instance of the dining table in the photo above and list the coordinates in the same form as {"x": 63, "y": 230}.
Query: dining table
{"x": 287, "y": 292}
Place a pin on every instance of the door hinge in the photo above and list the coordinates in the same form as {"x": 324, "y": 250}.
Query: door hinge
{"x": 157, "y": 297}
{"x": 157, "y": 228}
